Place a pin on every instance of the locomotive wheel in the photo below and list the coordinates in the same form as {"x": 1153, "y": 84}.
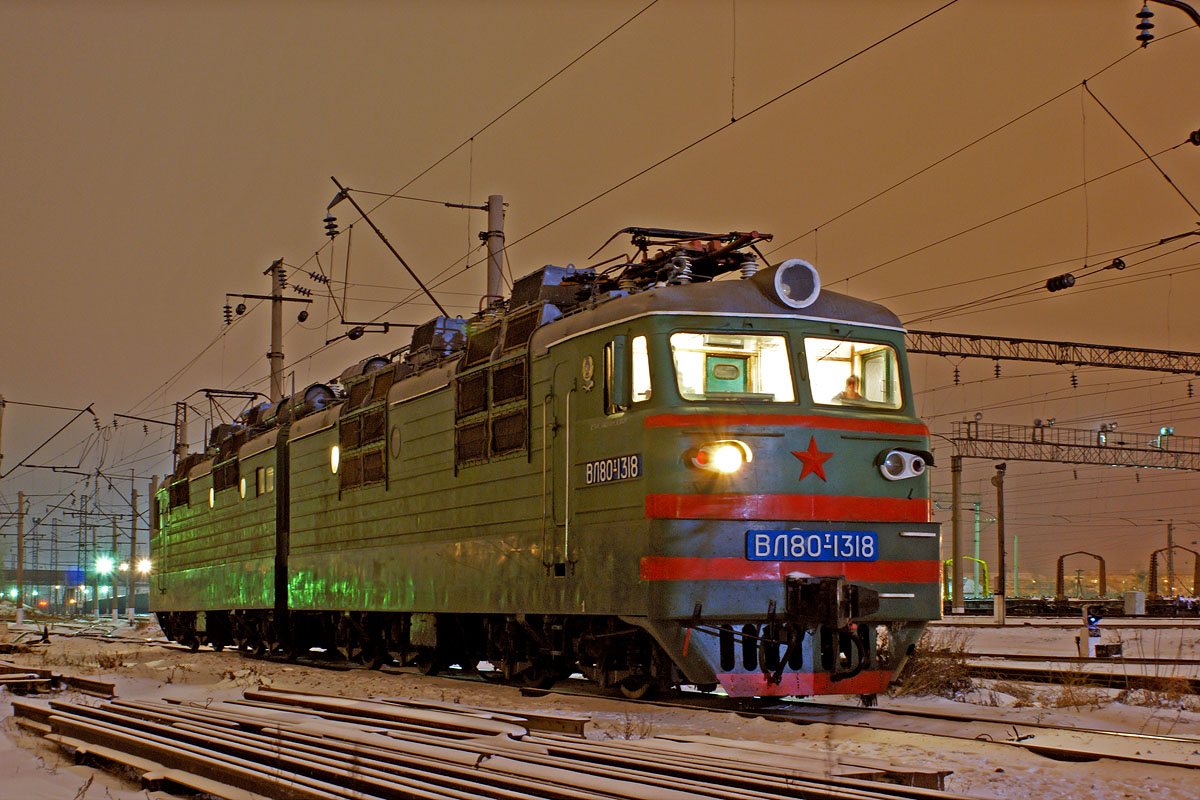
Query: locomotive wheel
{"x": 638, "y": 687}
{"x": 427, "y": 662}
{"x": 190, "y": 642}
{"x": 217, "y": 646}
{"x": 539, "y": 676}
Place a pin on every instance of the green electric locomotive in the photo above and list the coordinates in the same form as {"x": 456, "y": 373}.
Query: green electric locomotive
{"x": 683, "y": 469}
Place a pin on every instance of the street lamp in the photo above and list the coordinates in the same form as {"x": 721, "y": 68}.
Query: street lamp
{"x": 143, "y": 566}
{"x": 104, "y": 565}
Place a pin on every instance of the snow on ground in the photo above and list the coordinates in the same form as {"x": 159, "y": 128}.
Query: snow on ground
{"x": 32, "y": 770}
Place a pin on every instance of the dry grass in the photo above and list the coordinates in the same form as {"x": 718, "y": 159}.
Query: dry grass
{"x": 1162, "y": 692}
{"x": 1077, "y": 691}
{"x": 938, "y": 667}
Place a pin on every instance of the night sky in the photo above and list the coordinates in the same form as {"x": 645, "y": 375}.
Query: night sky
{"x": 159, "y": 155}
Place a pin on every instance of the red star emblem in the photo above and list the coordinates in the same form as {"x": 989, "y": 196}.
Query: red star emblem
{"x": 814, "y": 460}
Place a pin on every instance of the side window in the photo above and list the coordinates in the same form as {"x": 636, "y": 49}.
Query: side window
{"x": 611, "y": 389}
{"x": 641, "y": 369}
{"x": 626, "y": 373}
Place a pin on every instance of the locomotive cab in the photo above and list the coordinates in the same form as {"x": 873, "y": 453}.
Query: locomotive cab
{"x": 787, "y": 547}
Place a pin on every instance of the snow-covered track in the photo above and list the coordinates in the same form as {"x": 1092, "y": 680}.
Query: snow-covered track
{"x": 294, "y": 745}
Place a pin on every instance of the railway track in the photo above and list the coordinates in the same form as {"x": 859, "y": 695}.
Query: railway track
{"x": 320, "y": 747}
{"x": 1082, "y": 677}
{"x": 1053, "y": 741}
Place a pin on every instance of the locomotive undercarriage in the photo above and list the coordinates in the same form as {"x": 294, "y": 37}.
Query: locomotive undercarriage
{"x": 526, "y": 650}
{"x": 537, "y": 650}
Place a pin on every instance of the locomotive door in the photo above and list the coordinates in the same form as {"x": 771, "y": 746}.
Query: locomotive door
{"x": 560, "y": 411}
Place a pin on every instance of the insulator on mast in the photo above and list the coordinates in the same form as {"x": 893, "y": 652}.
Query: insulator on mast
{"x": 1144, "y": 25}
{"x": 331, "y": 226}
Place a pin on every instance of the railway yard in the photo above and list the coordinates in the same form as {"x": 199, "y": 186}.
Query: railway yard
{"x": 107, "y": 710}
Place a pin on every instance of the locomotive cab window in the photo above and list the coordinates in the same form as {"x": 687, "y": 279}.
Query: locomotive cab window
{"x": 848, "y": 373}
{"x": 626, "y": 373}
{"x": 732, "y": 366}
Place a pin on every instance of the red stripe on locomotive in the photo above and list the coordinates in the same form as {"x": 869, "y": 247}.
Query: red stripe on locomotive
{"x": 669, "y": 568}
{"x": 786, "y": 507}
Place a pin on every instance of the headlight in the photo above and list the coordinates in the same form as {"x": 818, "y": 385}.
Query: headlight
{"x": 725, "y": 458}
{"x": 896, "y": 465}
{"x": 335, "y": 458}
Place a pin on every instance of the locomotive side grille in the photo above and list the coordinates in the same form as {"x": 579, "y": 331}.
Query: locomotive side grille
{"x": 373, "y": 424}
{"x": 508, "y": 382}
{"x": 225, "y": 476}
{"x": 508, "y": 432}
{"x": 480, "y": 345}
{"x": 470, "y": 441}
{"x": 374, "y": 466}
{"x": 519, "y": 329}
{"x": 471, "y": 394}
{"x": 351, "y": 472}
{"x": 351, "y": 433}
{"x": 383, "y": 382}
{"x": 358, "y": 393}
{"x": 178, "y": 494}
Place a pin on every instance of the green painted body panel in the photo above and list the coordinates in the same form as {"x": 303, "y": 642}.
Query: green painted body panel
{"x": 431, "y": 538}
{"x": 216, "y": 558}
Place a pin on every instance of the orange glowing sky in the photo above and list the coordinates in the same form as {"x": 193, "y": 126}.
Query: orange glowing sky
{"x": 158, "y": 155}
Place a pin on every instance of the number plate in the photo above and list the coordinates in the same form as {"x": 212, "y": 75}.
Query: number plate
{"x": 812, "y": 545}
{"x": 607, "y": 470}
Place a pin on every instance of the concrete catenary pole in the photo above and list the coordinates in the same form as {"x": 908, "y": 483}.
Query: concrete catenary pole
{"x": 1170, "y": 558}
{"x": 153, "y": 532}
{"x": 20, "y": 557}
{"x": 95, "y": 575}
{"x": 495, "y": 246}
{"x": 998, "y": 482}
{"x": 275, "y": 357}
{"x": 956, "y": 576}
{"x": 133, "y": 508}
{"x": 115, "y": 571}
{"x": 1, "y": 434}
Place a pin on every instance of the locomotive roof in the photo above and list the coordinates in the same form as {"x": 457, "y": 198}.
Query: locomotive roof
{"x": 755, "y": 296}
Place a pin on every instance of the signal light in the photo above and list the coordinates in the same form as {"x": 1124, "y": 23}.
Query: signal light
{"x": 1060, "y": 282}
{"x": 1145, "y": 25}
